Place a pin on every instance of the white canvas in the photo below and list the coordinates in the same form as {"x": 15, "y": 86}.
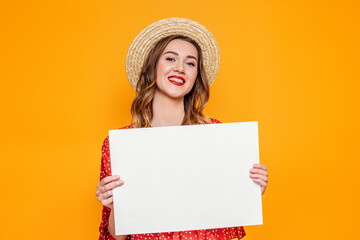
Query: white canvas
{"x": 185, "y": 178}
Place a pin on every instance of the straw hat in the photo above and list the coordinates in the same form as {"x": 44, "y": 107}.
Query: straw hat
{"x": 147, "y": 38}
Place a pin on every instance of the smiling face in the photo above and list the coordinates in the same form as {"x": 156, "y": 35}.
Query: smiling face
{"x": 177, "y": 69}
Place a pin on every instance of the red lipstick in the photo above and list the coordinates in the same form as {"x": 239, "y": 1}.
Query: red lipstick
{"x": 177, "y": 83}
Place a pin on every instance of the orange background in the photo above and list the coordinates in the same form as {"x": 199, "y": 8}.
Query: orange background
{"x": 291, "y": 65}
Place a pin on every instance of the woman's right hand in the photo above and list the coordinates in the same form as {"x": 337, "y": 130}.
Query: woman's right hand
{"x": 105, "y": 189}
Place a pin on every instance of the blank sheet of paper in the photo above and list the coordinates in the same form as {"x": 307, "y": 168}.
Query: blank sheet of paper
{"x": 185, "y": 178}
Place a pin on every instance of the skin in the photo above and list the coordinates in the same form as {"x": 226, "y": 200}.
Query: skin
{"x": 178, "y": 59}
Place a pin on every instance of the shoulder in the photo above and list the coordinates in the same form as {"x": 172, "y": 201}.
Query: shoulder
{"x": 127, "y": 127}
{"x": 214, "y": 121}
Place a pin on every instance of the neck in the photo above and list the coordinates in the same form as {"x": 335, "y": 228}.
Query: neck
{"x": 167, "y": 111}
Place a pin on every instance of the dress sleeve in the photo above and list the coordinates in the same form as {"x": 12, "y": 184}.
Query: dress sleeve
{"x": 105, "y": 171}
{"x": 214, "y": 121}
{"x": 237, "y": 232}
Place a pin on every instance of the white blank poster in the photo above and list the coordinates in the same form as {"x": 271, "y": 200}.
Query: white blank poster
{"x": 185, "y": 178}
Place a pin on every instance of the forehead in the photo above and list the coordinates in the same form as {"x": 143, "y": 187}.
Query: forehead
{"x": 182, "y": 47}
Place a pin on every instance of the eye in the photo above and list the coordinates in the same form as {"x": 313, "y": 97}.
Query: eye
{"x": 170, "y": 59}
{"x": 190, "y": 64}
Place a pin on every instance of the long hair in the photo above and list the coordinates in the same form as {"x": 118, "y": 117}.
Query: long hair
{"x": 194, "y": 101}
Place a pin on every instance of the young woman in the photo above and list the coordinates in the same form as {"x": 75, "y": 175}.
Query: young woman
{"x": 171, "y": 65}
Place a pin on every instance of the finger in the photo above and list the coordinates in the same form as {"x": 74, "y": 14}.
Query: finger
{"x": 111, "y": 186}
{"x": 258, "y": 171}
{"x": 259, "y": 165}
{"x": 259, "y": 176}
{"x": 260, "y": 182}
{"x": 107, "y": 202}
{"x": 105, "y": 195}
{"x": 108, "y": 179}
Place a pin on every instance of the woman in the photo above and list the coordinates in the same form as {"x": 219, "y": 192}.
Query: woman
{"x": 171, "y": 65}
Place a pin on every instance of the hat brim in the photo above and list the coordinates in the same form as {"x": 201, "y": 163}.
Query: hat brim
{"x": 147, "y": 38}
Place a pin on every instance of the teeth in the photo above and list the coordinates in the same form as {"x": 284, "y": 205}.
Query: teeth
{"x": 177, "y": 80}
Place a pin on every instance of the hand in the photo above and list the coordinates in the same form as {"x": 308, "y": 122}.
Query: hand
{"x": 259, "y": 175}
{"x": 105, "y": 189}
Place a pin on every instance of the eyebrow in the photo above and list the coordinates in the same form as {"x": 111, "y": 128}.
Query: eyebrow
{"x": 175, "y": 53}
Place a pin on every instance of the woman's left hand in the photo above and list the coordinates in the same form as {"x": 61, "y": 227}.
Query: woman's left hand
{"x": 259, "y": 175}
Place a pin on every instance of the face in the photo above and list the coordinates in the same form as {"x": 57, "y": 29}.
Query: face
{"x": 177, "y": 69}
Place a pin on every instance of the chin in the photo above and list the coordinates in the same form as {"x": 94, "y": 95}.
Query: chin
{"x": 176, "y": 96}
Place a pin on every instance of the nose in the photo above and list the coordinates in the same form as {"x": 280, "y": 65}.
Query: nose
{"x": 179, "y": 67}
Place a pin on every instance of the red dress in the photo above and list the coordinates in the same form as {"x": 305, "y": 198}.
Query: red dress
{"x": 207, "y": 234}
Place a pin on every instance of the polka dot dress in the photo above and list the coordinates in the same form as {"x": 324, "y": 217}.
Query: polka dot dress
{"x": 205, "y": 234}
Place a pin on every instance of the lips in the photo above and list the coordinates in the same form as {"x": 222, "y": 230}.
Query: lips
{"x": 177, "y": 80}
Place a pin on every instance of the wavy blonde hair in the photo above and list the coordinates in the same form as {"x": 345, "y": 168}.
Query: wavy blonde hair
{"x": 194, "y": 101}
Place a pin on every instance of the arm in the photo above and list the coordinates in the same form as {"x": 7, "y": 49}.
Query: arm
{"x": 104, "y": 193}
{"x": 111, "y": 228}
